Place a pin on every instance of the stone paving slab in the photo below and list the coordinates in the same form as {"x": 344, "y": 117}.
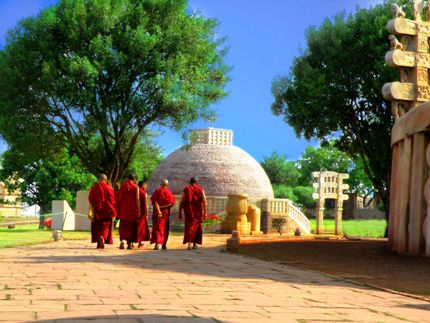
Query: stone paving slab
{"x": 71, "y": 281}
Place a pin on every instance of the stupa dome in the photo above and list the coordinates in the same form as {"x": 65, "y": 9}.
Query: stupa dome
{"x": 220, "y": 167}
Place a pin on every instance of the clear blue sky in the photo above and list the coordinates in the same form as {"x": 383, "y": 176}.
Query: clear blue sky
{"x": 264, "y": 36}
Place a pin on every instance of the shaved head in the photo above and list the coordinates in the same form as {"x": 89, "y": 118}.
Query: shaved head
{"x": 103, "y": 178}
{"x": 164, "y": 183}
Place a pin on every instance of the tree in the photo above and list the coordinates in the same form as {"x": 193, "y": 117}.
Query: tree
{"x": 42, "y": 181}
{"x": 280, "y": 170}
{"x": 146, "y": 158}
{"x": 334, "y": 88}
{"x": 323, "y": 158}
{"x": 94, "y": 75}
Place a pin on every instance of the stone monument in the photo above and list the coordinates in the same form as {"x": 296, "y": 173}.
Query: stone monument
{"x": 409, "y": 229}
{"x": 329, "y": 185}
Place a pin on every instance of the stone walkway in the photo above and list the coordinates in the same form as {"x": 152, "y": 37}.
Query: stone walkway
{"x": 71, "y": 281}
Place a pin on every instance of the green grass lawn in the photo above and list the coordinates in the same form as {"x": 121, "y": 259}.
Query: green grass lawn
{"x": 356, "y": 228}
{"x": 23, "y": 235}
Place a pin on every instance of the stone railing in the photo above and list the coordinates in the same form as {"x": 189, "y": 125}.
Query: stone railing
{"x": 298, "y": 216}
{"x": 285, "y": 207}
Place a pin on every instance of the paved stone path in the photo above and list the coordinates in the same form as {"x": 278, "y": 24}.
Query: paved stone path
{"x": 71, "y": 281}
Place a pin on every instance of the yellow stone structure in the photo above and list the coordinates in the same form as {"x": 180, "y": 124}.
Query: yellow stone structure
{"x": 409, "y": 227}
{"x": 9, "y": 204}
{"x": 329, "y": 185}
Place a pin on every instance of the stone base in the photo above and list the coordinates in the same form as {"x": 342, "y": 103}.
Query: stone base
{"x": 256, "y": 233}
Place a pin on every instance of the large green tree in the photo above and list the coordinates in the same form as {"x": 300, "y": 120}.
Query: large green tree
{"x": 95, "y": 74}
{"x": 334, "y": 89}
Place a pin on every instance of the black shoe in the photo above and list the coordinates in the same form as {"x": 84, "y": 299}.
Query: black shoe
{"x": 195, "y": 247}
{"x": 156, "y": 247}
{"x": 164, "y": 247}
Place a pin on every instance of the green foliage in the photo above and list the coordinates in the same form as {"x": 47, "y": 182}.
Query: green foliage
{"x": 323, "y": 158}
{"x": 42, "y": 181}
{"x": 334, "y": 88}
{"x": 280, "y": 170}
{"x": 283, "y": 191}
{"x": 304, "y": 196}
{"x": 94, "y": 75}
{"x": 292, "y": 180}
{"x": 145, "y": 159}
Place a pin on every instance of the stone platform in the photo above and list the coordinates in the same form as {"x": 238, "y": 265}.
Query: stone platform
{"x": 71, "y": 281}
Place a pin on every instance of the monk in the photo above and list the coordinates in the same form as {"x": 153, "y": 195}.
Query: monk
{"x": 194, "y": 205}
{"x": 128, "y": 208}
{"x": 142, "y": 223}
{"x": 102, "y": 203}
{"x": 162, "y": 200}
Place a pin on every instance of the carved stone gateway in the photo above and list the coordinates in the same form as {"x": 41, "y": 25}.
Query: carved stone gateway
{"x": 329, "y": 185}
{"x": 409, "y": 228}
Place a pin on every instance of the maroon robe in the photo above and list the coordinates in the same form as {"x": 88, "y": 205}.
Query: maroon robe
{"x": 128, "y": 207}
{"x": 161, "y": 224}
{"x": 142, "y": 223}
{"x": 193, "y": 205}
{"x": 102, "y": 200}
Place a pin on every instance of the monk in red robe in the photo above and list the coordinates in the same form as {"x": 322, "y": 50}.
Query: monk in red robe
{"x": 194, "y": 205}
{"x": 128, "y": 208}
{"x": 102, "y": 203}
{"x": 162, "y": 200}
{"x": 142, "y": 223}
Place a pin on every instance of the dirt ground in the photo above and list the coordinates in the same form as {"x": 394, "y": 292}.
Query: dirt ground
{"x": 366, "y": 261}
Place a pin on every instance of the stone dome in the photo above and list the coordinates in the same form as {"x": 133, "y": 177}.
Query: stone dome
{"x": 220, "y": 167}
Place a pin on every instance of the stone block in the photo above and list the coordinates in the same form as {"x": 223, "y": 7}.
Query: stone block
{"x": 81, "y": 221}
{"x": 63, "y": 217}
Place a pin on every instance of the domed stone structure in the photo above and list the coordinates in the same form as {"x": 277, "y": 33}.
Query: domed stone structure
{"x": 220, "y": 167}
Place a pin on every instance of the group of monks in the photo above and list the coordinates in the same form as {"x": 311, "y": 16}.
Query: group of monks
{"x": 130, "y": 205}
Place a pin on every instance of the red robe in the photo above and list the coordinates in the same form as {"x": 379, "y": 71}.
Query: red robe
{"x": 128, "y": 207}
{"x": 193, "y": 206}
{"x": 142, "y": 223}
{"x": 160, "y": 225}
{"x": 102, "y": 200}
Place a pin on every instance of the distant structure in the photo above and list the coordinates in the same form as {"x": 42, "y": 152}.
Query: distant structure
{"x": 9, "y": 204}
{"x": 409, "y": 219}
{"x": 220, "y": 167}
{"x": 329, "y": 185}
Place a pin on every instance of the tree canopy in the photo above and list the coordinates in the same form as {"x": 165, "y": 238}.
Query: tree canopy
{"x": 94, "y": 75}
{"x": 334, "y": 90}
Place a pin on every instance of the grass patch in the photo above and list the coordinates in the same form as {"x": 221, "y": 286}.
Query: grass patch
{"x": 357, "y": 228}
{"x": 24, "y": 235}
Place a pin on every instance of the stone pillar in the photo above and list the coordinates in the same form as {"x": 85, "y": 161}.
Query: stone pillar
{"x": 319, "y": 216}
{"x": 338, "y": 217}
{"x": 266, "y": 222}
{"x": 253, "y": 216}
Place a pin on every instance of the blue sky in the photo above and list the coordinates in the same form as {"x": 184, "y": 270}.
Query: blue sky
{"x": 264, "y": 36}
